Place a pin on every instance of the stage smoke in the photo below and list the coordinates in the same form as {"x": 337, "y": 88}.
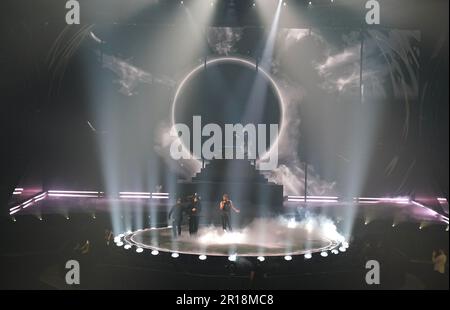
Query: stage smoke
{"x": 281, "y": 229}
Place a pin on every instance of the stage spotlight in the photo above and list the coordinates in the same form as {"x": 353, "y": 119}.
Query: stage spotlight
{"x": 181, "y": 2}
{"x": 261, "y": 258}
{"x": 175, "y": 255}
{"x": 14, "y": 219}
{"x": 342, "y": 249}
{"x": 202, "y": 257}
{"x": 310, "y": 3}
{"x": 446, "y": 228}
{"x": 288, "y": 257}
{"x": 127, "y": 247}
{"x": 324, "y": 254}
{"x": 232, "y": 258}
{"x": 334, "y": 251}
{"x": 119, "y": 244}
{"x": 308, "y": 256}
{"x": 40, "y": 218}
{"x": 345, "y": 244}
{"x": 67, "y": 218}
{"x": 284, "y": 4}
{"x": 155, "y": 252}
{"x": 254, "y": 4}
{"x": 139, "y": 250}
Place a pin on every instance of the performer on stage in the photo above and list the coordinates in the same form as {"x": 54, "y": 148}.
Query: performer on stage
{"x": 225, "y": 205}
{"x": 194, "y": 213}
{"x": 177, "y": 217}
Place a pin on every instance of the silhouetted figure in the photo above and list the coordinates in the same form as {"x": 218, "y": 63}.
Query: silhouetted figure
{"x": 439, "y": 260}
{"x": 194, "y": 214}
{"x": 176, "y": 213}
{"x": 225, "y": 206}
{"x": 108, "y": 236}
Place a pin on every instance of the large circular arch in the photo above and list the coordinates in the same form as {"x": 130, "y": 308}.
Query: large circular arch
{"x": 240, "y": 61}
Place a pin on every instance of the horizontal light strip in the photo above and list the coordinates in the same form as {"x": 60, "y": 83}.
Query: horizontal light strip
{"x": 134, "y": 193}
{"x": 313, "y": 200}
{"x": 314, "y": 197}
{"x": 135, "y": 196}
{"x": 72, "y": 192}
{"x": 72, "y": 195}
{"x": 161, "y": 194}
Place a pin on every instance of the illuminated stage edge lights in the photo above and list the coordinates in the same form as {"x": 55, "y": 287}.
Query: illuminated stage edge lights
{"x": 144, "y": 239}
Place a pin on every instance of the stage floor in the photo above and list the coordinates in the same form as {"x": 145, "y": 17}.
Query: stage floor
{"x": 213, "y": 241}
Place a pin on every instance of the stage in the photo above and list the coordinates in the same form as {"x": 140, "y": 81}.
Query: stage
{"x": 212, "y": 241}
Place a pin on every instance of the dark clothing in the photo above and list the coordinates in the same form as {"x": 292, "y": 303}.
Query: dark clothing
{"x": 193, "y": 224}
{"x": 226, "y": 221}
{"x": 177, "y": 212}
{"x": 177, "y": 218}
{"x": 225, "y": 215}
{"x": 226, "y": 206}
{"x": 194, "y": 216}
{"x": 176, "y": 228}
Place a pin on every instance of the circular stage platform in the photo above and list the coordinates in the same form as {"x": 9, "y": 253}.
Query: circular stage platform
{"x": 280, "y": 240}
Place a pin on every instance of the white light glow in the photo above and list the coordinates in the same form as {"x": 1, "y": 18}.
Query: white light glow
{"x": 72, "y": 192}
{"x": 134, "y": 193}
{"x": 72, "y": 195}
{"x": 244, "y": 62}
{"x": 232, "y": 258}
{"x": 292, "y": 224}
{"x": 14, "y": 212}
{"x": 135, "y": 196}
